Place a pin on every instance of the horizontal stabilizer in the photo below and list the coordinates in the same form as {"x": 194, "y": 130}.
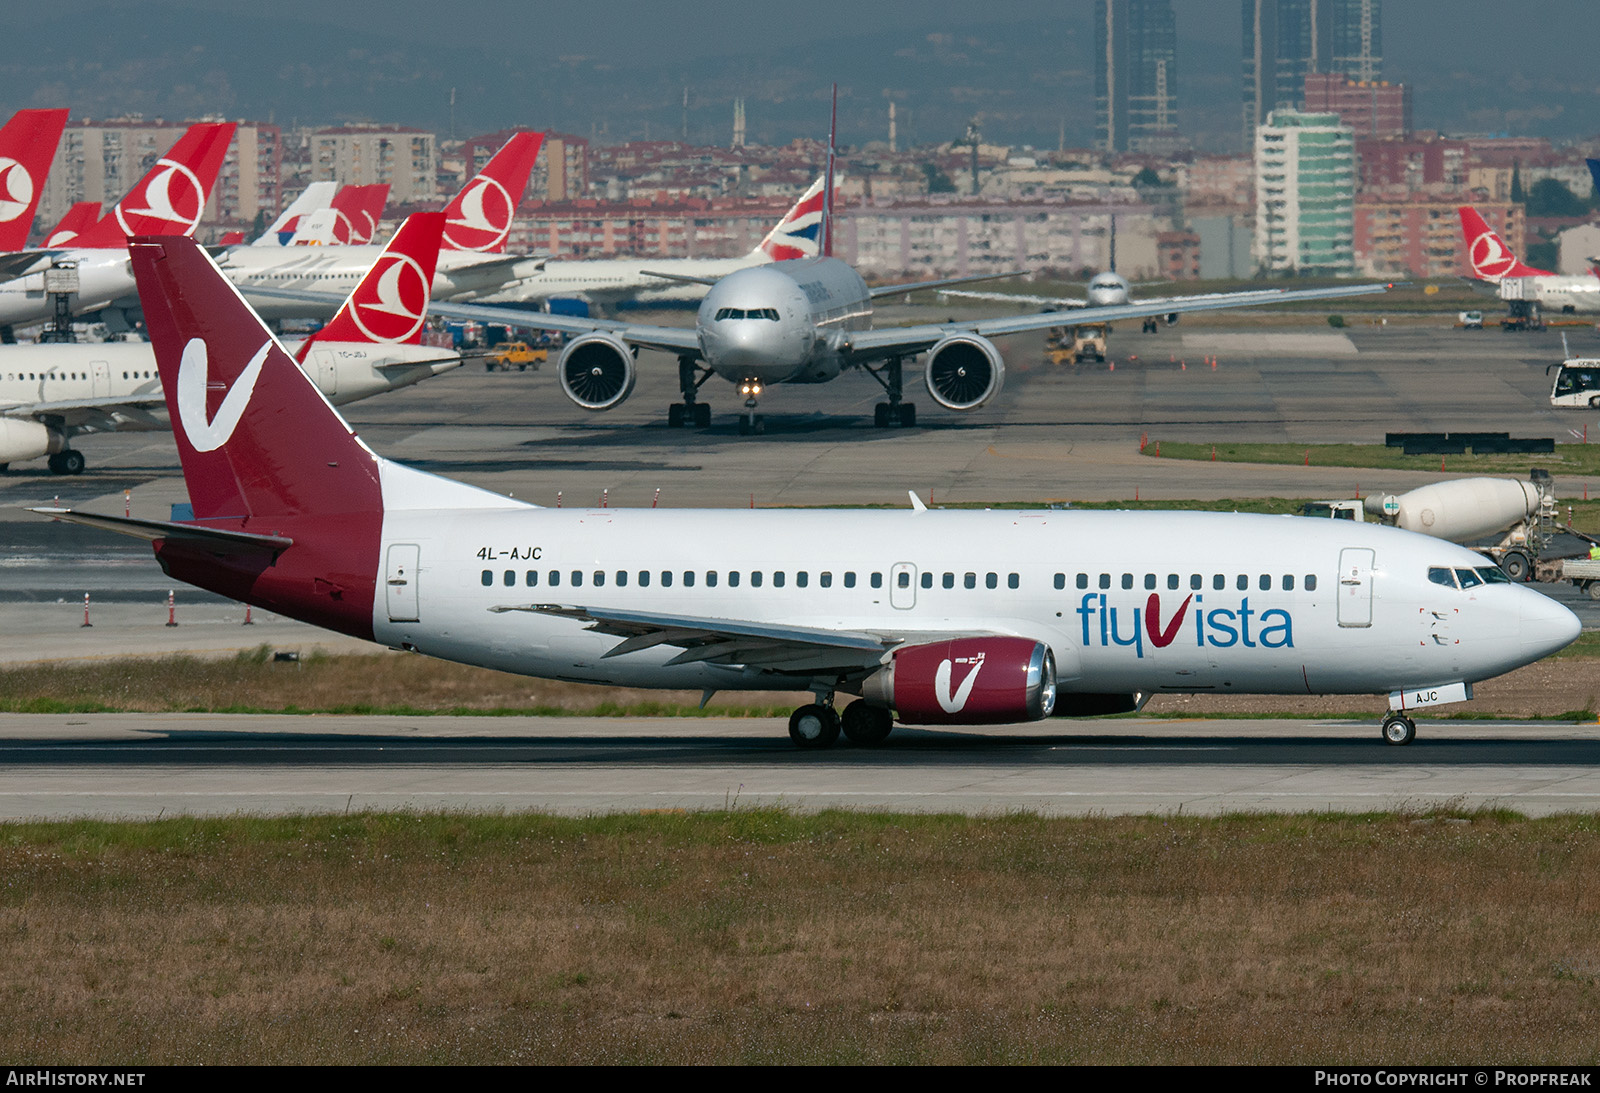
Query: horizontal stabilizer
{"x": 235, "y": 542}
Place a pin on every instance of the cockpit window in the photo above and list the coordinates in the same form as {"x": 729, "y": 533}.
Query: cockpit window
{"x": 1493, "y": 574}
{"x": 768, "y": 313}
{"x": 1440, "y": 575}
{"x": 1468, "y": 578}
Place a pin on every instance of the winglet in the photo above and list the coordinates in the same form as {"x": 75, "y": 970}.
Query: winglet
{"x": 916, "y": 502}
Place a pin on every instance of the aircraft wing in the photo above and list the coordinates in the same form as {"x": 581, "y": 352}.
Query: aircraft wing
{"x": 1019, "y": 298}
{"x": 668, "y": 339}
{"x": 766, "y": 647}
{"x": 93, "y": 414}
{"x": 904, "y": 341}
{"x": 917, "y": 286}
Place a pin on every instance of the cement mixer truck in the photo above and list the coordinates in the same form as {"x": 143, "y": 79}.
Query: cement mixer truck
{"x": 1517, "y": 517}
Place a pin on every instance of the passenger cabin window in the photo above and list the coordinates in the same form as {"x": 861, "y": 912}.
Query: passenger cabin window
{"x": 1196, "y": 582}
{"x": 1311, "y": 582}
{"x": 1061, "y": 581}
{"x": 927, "y": 579}
{"x": 509, "y": 578}
{"x": 949, "y": 580}
{"x": 1243, "y": 582}
{"x": 1149, "y": 581}
{"x": 488, "y": 578}
{"x": 1013, "y": 581}
{"x": 1219, "y": 582}
{"x": 644, "y": 578}
{"x": 1105, "y": 580}
{"x": 777, "y": 579}
{"x": 825, "y": 579}
{"x": 688, "y": 578}
{"x": 599, "y": 579}
{"x": 555, "y": 578}
{"x": 1127, "y": 580}
{"x": 1265, "y": 583}
{"x": 711, "y": 578}
{"x": 1083, "y": 580}
{"x": 1288, "y": 582}
{"x": 733, "y": 578}
{"x": 849, "y": 580}
{"x": 577, "y": 578}
{"x": 666, "y": 578}
{"x": 904, "y": 580}
{"x": 755, "y": 579}
{"x": 1172, "y": 581}
{"x": 531, "y": 578}
{"x": 877, "y": 580}
{"x": 801, "y": 579}
{"x": 622, "y": 578}
{"x": 970, "y": 580}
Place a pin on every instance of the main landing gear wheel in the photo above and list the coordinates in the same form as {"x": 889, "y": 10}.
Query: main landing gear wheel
{"x": 866, "y": 725}
{"x": 1398, "y": 729}
{"x": 68, "y": 462}
{"x": 814, "y": 726}
{"x": 887, "y": 415}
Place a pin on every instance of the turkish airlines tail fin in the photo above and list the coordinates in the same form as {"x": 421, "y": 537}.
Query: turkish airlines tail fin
{"x": 390, "y": 304}
{"x": 1490, "y": 257}
{"x": 318, "y": 195}
{"x": 27, "y": 145}
{"x": 357, "y": 211}
{"x": 171, "y": 197}
{"x": 798, "y": 234}
{"x": 82, "y": 215}
{"x": 479, "y": 219}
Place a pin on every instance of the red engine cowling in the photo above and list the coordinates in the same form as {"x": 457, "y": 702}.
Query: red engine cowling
{"x": 967, "y": 681}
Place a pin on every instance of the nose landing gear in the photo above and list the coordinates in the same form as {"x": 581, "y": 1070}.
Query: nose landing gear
{"x": 1398, "y": 729}
{"x": 750, "y": 421}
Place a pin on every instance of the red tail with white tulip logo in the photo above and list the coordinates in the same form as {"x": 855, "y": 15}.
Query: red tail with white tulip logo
{"x": 389, "y": 305}
{"x": 1490, "y": 257}
{"x": 171, "y": 197}
{"x": 479, "y": 219}
{"x": 27, "y": 145}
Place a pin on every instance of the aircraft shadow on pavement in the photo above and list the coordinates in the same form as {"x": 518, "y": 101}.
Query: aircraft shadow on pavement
{"x": 913, "y": 748}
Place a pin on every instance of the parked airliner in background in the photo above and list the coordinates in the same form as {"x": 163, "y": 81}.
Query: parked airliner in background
{"x": 605, "y": 282}
{"x": 472, "y": 261}
{"x": 935, "y": 618}
{"x": 82, "y": 215}
{"x": 315, "y": 198}
{"x": 170, "y": 198}
{"x": 50, "y": 394}
{"x": 27, "y": 145}
{"x": 1493, "y": 262}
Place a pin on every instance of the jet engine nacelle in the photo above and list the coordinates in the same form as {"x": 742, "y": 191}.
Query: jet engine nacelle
{"x": 597, "y": 371}
{"x": 964, "y": 371}
{"x": 21, "y": 440}
{"x": 967, "y": 681}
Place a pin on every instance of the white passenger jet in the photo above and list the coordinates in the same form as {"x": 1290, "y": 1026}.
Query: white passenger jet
{"x": 806, "y": 320}
{"x": 50, "y": 394}
{"x": 933, "y": 618}
{"x": 171, "y": 197}
{"x": 1519, "y": 283}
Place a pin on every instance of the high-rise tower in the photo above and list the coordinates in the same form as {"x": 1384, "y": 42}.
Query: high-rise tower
{"x": 1284, "y": 41}
{"x": 1136, "y": 74}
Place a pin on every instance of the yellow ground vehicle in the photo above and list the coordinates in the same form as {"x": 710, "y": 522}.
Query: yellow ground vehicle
{"x": 518, "y": 355}
{"x": 1084, "y": 341}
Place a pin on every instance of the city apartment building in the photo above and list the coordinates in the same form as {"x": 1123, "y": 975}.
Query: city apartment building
{"x": 1419, "y": 236}
{"x": 1305, "y": 187}
{"x": 406, "y": 158}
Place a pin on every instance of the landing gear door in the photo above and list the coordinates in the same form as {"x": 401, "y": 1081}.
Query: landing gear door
{"x": 1355, "y": 586}
{"x": 400, "y": 582}
{"x": 327, "y": 371}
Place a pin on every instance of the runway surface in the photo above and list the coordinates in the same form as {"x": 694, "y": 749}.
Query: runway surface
{"x": 142, "y": 766}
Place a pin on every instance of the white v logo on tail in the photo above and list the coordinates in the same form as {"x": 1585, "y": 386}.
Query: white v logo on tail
{"x": 941, "y": 687}
{"x": 194, "y": 369}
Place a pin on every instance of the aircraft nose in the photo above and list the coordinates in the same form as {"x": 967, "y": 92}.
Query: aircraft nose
{"x": 1546, "y": 625}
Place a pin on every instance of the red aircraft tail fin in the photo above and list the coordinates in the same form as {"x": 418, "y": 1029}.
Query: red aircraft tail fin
{"x": 82, "y": 215}
{"x": 1490, "y": 257}
{"x": 390, "y": 303}
{"x": 479, "y": 219}
{"x": 357, "y": 210}
{"x": 172, "y": 196}
{"x": 27, "y": 145}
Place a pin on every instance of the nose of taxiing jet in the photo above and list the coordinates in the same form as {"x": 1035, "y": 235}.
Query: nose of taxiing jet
{"x": 1546, "y": 625}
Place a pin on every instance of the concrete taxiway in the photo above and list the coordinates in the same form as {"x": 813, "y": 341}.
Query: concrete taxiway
{"x": 142, "y": 766}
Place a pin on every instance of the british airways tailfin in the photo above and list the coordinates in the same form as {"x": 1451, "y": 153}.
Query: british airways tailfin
{"x": 1491, "y": 259}
{"x": 27, "y": 145}
{"x": 799, "y": 233}
{"x": 171, "y": 197}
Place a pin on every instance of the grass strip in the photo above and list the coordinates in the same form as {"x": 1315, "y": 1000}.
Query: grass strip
{"x": 764, "y": 936}
{"x": 1568, "y": 459}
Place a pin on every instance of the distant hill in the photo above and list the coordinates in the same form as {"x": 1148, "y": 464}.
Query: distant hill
{"x": 1027, "y": 83}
